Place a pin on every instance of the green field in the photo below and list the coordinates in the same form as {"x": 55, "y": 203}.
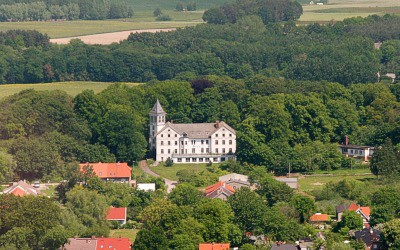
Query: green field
{"x": 72, "y": 88}
{"x": 307, "y": 184}
{"x": 170, "y": 172}
{"x": 337, "y": 10}
{"x": 124, "y": 233}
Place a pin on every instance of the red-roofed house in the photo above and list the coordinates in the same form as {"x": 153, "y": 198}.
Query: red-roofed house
{"x": 319, "y": 219}
{"x": 219, "y": 190}
{"x": 214, "y": 246}
{"x": 115, "y": 172}
{"x": 113, "y": 243}
{"x": 117, "y": 214}
{"x": 98, "y": 244}
{"x": 365, "y": 212}
{"x": 21, "y": 188}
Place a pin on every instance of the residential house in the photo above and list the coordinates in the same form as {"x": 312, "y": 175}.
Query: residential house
{"x": 219, "y": 190}
{"x": 113, "y": 172}
{"x": 190, "y": 143}
{"x": 356, "y": 151}
{"x": 97, "y": 244}
{"x": 20, "y": 188}
{"x": 283, "y": 246}
{"x": 117, "y": 214}
{"x": 235, "y": 180}
{"x": 146, "y": 186}
{"x": 370, "y": 237}
{"x": 364, "y": 212}
{"x": 214, "y": 246}
{"x": 319, "y": 220}
{"x": 306, "y": 244}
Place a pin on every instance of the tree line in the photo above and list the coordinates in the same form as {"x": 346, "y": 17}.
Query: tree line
{"x": 66, "y": 10}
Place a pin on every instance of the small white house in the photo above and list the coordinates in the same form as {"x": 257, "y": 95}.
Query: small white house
{"x": 146, "y": 186}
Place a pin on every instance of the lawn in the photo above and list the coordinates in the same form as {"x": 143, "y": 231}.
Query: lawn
{"x": 307, "y": 184}
{"x": 170, "y": 172}
{"x": 72, "y": 88}
{"x": 124, "y": 233}
{"x": 50, "y": 191}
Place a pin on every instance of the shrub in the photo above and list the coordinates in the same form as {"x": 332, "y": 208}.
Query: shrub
{"x": 163, "y": 18}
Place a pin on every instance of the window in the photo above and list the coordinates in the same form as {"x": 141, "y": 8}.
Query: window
{"x": 193, "y": 142}
{"x": 194, "y": 159}
{"x": 169, "y": 143}
{"x": 200, "y": 159}
{"x": 181, "y": 151}
{"x": 169, "y": 151}
{"x": 179, "y": 159}
{"x": 207, "y": 142}
{"x": 230, "y": 142}
{"x": 162, "y": 158}
{"x": 223, "y": 135}
{"x": 176, "y": 143}
{"x": 230, "y": 135}
{"x": 223, "y": 142}
{"x": 216, "y": 142}
{"x": 162, "y": 151}
{"x": 176, "y": 151}
{"x": 185, "y": 142}
{"x": 216, "y": 150}
{"x": 162, "y": 142}
{"x": 351, "y": 151}
{"x": 181, "y": 142}
{"x": 185, "y": 151}
{"x": 169, "y": 135}
{"x": 202, "y": 142}
{"x": 202, "y": 150}
{"x": 187, "y": 159}
{"x": 207, "y": 159}
{"x": 216, "y": 135}
{"x": 162, "y": 135}
{"x": 207, "y": 150}
{"x": 176, "y": 135}
{"x": 215, "y": 159}
{"x": 230, "y": 150}
{"x": 193, "y": 150}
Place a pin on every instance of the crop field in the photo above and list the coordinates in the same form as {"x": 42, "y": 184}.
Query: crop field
{"x": 72, "y": 88}
{"x": 337, "y": 10}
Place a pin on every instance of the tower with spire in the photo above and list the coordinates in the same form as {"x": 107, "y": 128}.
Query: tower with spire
{"x": 157, "y": 122}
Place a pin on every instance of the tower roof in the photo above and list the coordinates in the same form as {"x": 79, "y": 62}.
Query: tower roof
{"x": 157, "y": 109}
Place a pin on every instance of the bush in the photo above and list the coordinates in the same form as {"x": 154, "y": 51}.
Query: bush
{"x": 157, "y": 12}
{"x": 163, "y": 18}
{"x": 169, "y": 162}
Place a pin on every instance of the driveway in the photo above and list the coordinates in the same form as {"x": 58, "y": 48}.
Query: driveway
{"x": 169, "y": 183}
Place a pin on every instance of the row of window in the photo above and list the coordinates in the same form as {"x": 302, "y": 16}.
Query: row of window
{"x": 223, "y": 135}
{"x": 194, "y": 142}
{"x": 202, "y": 150}
{"x": 160, "y": 118}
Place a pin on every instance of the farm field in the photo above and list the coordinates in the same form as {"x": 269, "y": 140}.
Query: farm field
{"x": 72, "y": 88}
{"x": 337, "y": 10}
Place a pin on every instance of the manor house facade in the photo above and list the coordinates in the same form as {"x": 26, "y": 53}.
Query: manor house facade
{"x": 190, "y": 143}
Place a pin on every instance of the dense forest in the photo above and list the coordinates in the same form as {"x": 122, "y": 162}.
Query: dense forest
{"x": 33, "y": 10}
{"x": 342, "y": 52}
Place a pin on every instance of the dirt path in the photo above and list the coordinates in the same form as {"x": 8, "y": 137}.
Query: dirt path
{"x": 170, "y": 184}
{"x": 106, "y": 38}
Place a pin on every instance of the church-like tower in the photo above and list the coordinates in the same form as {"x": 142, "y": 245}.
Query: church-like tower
{"x": 157, "y": 122}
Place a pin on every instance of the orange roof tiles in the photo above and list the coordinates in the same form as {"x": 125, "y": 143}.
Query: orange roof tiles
{"x": 218, "y": 185}
{"x": 214, "y": 246}
{"x": 113, "y": 243}
{"x": 18, "y": 192}
{"x": 366, "y": 211}
{"x": 353, "y": 207}
{"x": 109, "y": 170}
{"x": 116, "y": 213}
{"x": 319, "y": 217}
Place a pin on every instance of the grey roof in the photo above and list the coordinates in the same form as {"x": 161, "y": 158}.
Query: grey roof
{"x": 368, "y": 236}
{"x": 81, "y": 244}
{"x": 234, "y": 176}
{"x": 197, "y": 130}
{"x": 157, "y": 108}
{"x": 355, "y": 146}
{"x": 341, "y": 208}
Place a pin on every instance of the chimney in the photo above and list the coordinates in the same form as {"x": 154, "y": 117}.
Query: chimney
{"x": 346, "y": 140}
{"x": 172, "y": 121}
{"x": 93, "y": 237}
{"x": 217, "y": 124}
{"x": 10, "y": 184}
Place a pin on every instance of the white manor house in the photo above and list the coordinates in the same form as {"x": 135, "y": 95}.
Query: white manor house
{"x": 194, "y": 143}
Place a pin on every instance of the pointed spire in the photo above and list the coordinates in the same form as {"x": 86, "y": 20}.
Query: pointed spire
{"x": 157, "y": 109}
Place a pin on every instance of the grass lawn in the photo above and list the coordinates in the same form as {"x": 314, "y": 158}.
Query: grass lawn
{"x": 49, "y": 192}
{"x": 72, "y": 88}
{"x": 345, "y": 171}
{"x": 124, "y": 233}
{"x": 137, "y": 171}
{"x": 170, "y": 172}
{"x": 307, "y": 184}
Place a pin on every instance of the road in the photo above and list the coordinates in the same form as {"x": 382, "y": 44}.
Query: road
{"x": 169, "y": 183}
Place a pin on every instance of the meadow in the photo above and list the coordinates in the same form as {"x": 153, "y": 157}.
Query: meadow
{"x": 170, "y": 172}
{"x": 72, "y": 88}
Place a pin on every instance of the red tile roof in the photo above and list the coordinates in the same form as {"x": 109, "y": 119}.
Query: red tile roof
{"x": 214, "y": 246}
{"x": 218, "y": 185}
{"x": 110, "y": 170}
{"x": 353, "y": 207}
{"x": 116, "y": 213}
{"x": 319, "y": 217}
{"x": 366, "y": 211}
{"x": 113, "y": 244}
{"x": 21, "y": 188}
